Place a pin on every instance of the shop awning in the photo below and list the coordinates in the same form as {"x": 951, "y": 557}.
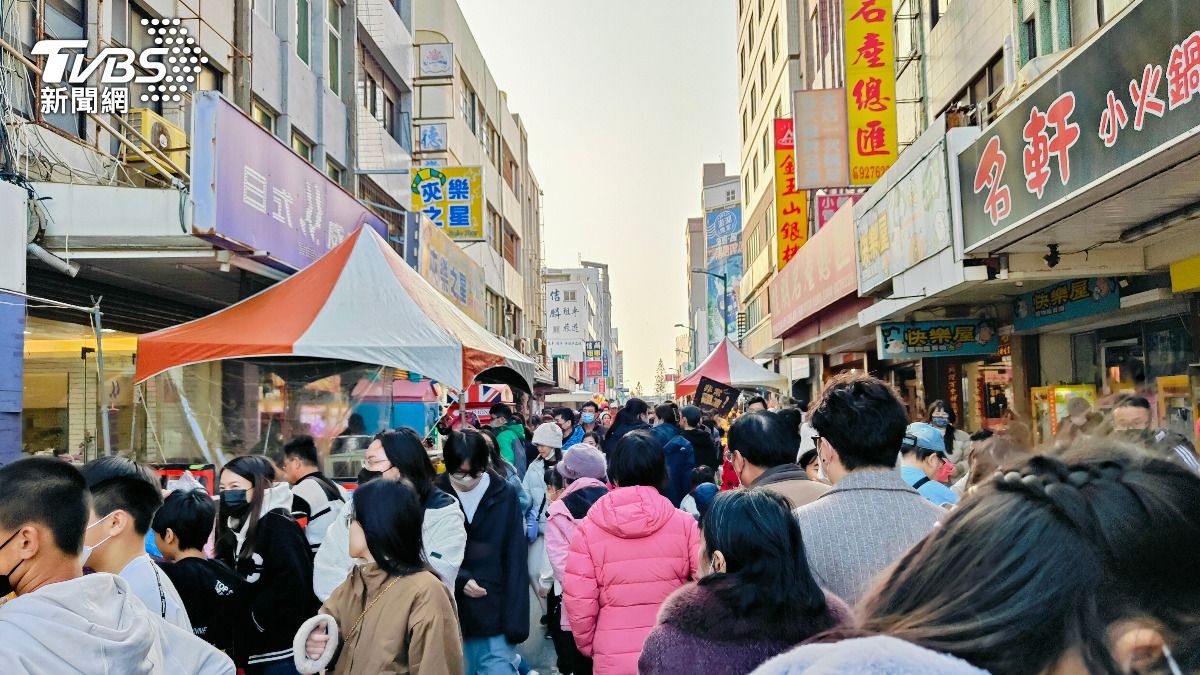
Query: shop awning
{"x": 359, "y": 302}
{"x": 728, "y": 365}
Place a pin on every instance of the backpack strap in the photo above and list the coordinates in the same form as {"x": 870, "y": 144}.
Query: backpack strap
{"x": 917, "y": 485}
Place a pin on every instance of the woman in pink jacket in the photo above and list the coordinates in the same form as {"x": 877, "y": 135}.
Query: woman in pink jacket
{"x": 631, "y": 551}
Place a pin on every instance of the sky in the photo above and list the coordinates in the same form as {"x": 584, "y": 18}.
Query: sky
{"x": 623, "y": 101}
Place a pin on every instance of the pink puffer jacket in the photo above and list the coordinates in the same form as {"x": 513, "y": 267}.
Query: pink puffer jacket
{"x": 631, "y": 551}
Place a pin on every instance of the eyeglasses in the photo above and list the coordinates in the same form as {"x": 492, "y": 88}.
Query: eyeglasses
{"x": 372, "y": 463}
{"x": 473, "y": 473}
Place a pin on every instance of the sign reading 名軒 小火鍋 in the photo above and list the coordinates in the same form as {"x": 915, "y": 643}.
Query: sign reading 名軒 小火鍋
{"x": 791, "y": 204}
{"x": 252, "y": 193}
{"x": 452, "y": 197}
{"x": 926, "y": 339}
{"x": 823, "y": 274}
{"x": 712, "y": 396}
{"x": 910, "y": 223}
{"x": 821, "y": 138}
{"x": 870, "y": 89}
{"x": 1066, "y": 300}
{"x": 1126, "y": 95}
{"x": 452, "y": 272}
{"x": 566, "y": 319}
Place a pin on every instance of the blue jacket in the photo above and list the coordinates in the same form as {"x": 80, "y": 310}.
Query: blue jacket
{"x": 932, "y": 490}
{"x": 681, "y": 458}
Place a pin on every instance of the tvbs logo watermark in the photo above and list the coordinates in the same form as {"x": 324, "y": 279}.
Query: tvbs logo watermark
{"x": 167, "y": 70}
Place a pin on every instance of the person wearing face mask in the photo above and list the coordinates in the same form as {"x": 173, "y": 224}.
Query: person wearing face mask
{"x": 62, "y": 621}
{"x": 566, "y": 420}
{"x": 492, "y": 588}
{"x": 125, "y": 496}
{"x": 548, "y": 441}
{"x": 258, "y": 538}
{"x": 633, "y": 416}
{"x": 1132, "y": 419}
{"x": 589, "y": 420}
{"x": 757, "y": 597}
{"x": 509, "y": 432}
{"x": 956, "y": 441}
{"x": 762, "y": 450}
{"x": 398, "y": 456}
{"x": 924, "y": 466}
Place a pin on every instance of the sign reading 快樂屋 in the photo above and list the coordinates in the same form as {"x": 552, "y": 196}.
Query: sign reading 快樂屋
{"x": 870, "y": 89}
{"x": 452, "y": 197}
{"x": 791, "y": 205}
{"x": 925, "y": 339}
{"x": 1126, "y": 95}
{"x": 1066, "y": 300}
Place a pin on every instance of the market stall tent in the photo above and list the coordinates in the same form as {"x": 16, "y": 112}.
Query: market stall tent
{"x": 728, "y": 365}
{"x": 359, "y": 302}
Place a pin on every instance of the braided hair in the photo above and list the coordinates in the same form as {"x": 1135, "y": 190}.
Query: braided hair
{"x": 1043, "y": 559}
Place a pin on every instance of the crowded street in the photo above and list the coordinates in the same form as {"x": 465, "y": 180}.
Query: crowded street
{"x": 647, "y": 337}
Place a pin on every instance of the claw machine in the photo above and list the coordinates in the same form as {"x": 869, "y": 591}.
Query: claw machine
{"x": 1050, "y": 406}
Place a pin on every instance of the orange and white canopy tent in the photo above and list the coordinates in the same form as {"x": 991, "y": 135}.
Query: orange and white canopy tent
{"x": 359, "y": 302}
{"x": 728, "y": 365}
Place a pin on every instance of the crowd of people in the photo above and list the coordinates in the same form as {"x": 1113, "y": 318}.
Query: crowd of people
{"x": 837, "y": 537}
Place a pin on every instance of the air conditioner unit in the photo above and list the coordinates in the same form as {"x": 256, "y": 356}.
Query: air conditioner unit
{"x": 522, "y": 345}
{"x": 537, "y": 345}
{"x": 167, "y": 137}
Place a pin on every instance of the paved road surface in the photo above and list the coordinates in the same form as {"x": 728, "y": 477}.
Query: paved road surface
{"x": 537, "y": 651}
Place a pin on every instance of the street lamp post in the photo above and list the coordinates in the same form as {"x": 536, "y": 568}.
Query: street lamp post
{"x": 724, "y": 297}
{"x": 691, "y": 345}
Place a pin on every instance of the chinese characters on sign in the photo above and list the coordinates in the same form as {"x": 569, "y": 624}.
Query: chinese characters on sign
{"x": 452, "y": 197}
{"x": 1095, "y": 116}
{"x": 714, "y": 397}
{"x": 827, "y": 205}
{"x": 926, "y": 339}
{"x": 822, "y": 273}
{"x": 592, "y": 350}
{"x": 870, "y": 89}
{"x": 723, "y": 255}
{"x": 821, "y": 139}
{"x": 566, "y": 319}
{"x": 452, "y": 272}
{"x": 1064, "y": 301}
{"x": 791, "y": 204}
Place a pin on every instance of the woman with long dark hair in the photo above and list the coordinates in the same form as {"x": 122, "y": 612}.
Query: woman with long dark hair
{"x": 257, "y": 536}
{"x": 398, "y": 455}
{"x": 392, "y": 614}
{"x": 1059, "y": 568}
{"x": 757, "y": 599}
{"x": 634, "y": 416}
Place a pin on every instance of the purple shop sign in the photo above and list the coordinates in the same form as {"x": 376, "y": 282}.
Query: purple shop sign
{"x": 253, "y": 194}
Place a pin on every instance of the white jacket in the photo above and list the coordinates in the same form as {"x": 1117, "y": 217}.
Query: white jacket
{"x": 443, "y": 538}
{"x": 535, "y": 486}
{"x": 94, "y": 624}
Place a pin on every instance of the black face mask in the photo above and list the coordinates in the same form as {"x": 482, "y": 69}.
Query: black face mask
{"x": 365, "y": 475}
{"x": 6, "y": 586}
{"x": 234, "y": 503}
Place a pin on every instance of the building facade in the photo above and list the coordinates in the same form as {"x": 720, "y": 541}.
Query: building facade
{"x": 580, "y": 329}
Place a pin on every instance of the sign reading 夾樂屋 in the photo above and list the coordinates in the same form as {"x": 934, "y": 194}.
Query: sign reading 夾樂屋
{"x": 253, "y": 193}
{"x": 1126, "y": 95}
{"x": 1066, "y": 300}
{"x": 926, "y": 339}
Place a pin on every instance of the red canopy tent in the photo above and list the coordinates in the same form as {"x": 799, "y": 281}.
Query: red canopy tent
{"x": 728, "y": 365}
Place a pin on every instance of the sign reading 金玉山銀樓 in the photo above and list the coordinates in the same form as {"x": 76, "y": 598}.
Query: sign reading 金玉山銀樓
{"x": 791, "y": 204}
{"x": 870, "y": 89}
{"x": 926, "y": 339}
{"x": 1126, "y": 95}
{"x": 1066, "y": 300}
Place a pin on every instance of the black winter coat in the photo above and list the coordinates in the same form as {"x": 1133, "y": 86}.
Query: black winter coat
{"x": 496, "y": 558}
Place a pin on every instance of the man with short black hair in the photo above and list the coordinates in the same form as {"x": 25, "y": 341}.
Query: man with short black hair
{"x": 589, "y": 421}
{"x": 1132, "y": 413}
{"x": 706, "y": 451}
{"x": 572, "y": 432}
{"x": 509, "y": 433}
{"x": 861, "y": 423}
{"x": 756, "y": 404}
{"x": 125, "y": 496}
{"x": 62, "y": 621}
{"x": 762, "y": 450}
{"x": 316, "y": 500}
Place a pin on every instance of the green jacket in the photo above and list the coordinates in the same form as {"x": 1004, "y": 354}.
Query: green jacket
{"x": 506, "y": 436}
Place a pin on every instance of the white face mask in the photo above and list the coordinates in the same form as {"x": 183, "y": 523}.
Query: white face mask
{"x": 465, "y": 484}
{"x": 87, "y": 550}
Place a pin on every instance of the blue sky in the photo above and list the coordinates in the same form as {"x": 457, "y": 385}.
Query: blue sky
{"x": 623, "y": 100}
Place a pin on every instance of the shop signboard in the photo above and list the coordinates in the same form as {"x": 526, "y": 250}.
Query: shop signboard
{"x": 1114, "y": 102}
{"x": 452, "y": 272}
{"x": 931, "y": 339}
{"x": 828, "y": 204}
{"x": 791, "y": 204}
{"x": 591, "y": 349}
{"x": 715, "y": 397}
{"x": 566, "y": 319}
{"x": 253, "y": 194}
{"x": 1185, "y": 275}
{"x": 723, "y": 255}
{"x": 452, "y": 197}
{"x": 823, "y": 274}
{"x": 910, "y": 223}
{"x": 593, "y": 369}
{"x": 821, "y": 138}
{"x": 870, "y": 89}
{"x": 436, "y": 60}
{"x": 1066, "y": 300}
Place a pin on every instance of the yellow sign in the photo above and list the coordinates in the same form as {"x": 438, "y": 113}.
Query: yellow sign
{"x": 452, "y": 272}
{"x": 870, "y": 89}
{"x": 1185, "y": 275}
{"x": 452, "y": 197}
{"x": 791, "y": 205}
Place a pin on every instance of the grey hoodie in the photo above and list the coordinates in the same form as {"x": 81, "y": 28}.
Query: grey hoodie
{"x": 94, "y": 624}
{"x": 876, "y": 655}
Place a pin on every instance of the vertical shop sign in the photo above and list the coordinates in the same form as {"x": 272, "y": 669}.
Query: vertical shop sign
{"x": 820, "y": 138}
{"x": 723, "y": 255}
{"x": 452, "y": 272}
{"x": 791, "y": 204}
{"x": 452, "y": 197}
{"x": 870, "y": 89}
